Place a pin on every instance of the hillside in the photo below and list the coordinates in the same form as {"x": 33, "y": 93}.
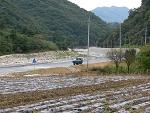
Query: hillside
{"x": 112, "y": 14}
{"x": 133, "y": 28}
{"x": 29, "y": 25}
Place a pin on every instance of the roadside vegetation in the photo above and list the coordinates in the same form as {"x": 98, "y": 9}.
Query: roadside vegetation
{"x": 127, "y": 62}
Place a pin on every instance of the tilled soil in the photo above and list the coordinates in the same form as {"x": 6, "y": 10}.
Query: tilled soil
{"x": 118, "y": 94}
{"x": 24, "y": 84}
{"x": 135, "y": 99}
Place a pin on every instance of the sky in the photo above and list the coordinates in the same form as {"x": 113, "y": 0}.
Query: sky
{"x": 92, "y": 4}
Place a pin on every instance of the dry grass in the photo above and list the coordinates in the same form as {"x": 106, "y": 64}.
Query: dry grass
{"x": 43, "y": 72}
{"x": 11, "y": 100}
{"x": 102, "y": 64}
{"x": 78, "y": 70}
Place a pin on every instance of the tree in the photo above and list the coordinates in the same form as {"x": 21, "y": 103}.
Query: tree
{"x": 116, "y": 56}
{"x": 144, "y": 58}
{"x": 129, "y": 57}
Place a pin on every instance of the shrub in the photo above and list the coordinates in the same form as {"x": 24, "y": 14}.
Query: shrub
{"x": 116, "y": 56}
{"x": 102, "y": 70}
{"x": 129, "y": 57}
{"x": 144, "y": 58}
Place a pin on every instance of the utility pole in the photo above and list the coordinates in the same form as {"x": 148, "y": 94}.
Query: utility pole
{"x": 125, "y": 40}
{"x": 120, "y": 42}
{"x": 88, "y": 44}
{"x": 146, "y": 34}
{"x": 120, "y": 37}
{"x": 111, "y": 44}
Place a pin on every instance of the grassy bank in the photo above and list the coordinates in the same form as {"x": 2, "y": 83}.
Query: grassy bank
{"x": 135, "y": 69}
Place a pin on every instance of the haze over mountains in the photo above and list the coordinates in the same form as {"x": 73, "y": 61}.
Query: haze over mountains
{"x": 112, "y": 14}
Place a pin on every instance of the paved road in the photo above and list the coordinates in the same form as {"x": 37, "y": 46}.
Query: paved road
{"x": 28, "y": 67}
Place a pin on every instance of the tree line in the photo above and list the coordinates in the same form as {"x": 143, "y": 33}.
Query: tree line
{"x": 136, "y": 62}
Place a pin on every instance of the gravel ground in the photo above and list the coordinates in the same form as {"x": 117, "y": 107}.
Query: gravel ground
{"x": 42, "y": 57}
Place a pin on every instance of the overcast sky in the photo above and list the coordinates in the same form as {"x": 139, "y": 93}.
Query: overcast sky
{"x": 92, "y": 4}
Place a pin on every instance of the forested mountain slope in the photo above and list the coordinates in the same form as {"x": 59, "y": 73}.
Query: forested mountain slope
{"x": 27, "y": 25}
{"x": 134, "y": 28}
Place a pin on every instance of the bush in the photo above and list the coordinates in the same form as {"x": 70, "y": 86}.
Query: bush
{"x": 103, "y": 70}
{"x": 116, "y": 56}
{"x": 144, "y": 58}
{"x": 129, "y": 57}
{"x": 122, "y": 69}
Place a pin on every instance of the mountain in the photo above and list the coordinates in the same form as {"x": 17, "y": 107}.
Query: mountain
{"x": 112, "y": 14}
{"x": 29, "y": 25}
{"x": 135, "y": 27}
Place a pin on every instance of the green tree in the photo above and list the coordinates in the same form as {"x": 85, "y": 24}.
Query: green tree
{"x": 144, "y": 58}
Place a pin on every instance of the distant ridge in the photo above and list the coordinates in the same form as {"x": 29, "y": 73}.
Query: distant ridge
{"x": 112, "y": 14}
